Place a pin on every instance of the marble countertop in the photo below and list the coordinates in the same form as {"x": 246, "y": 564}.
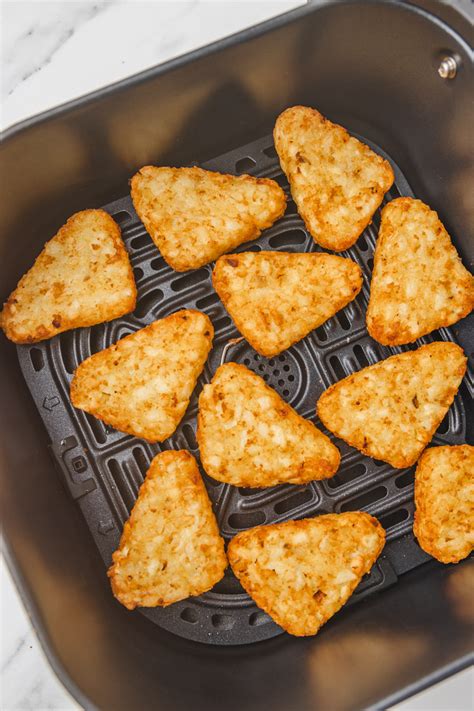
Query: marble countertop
{"x": 55, "y": 51}
{"x": 52, "y": 52}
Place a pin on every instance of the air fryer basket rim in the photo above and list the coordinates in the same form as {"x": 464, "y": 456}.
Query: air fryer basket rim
{"x": 64, "y": 677}
{"x": 142, "y": 77}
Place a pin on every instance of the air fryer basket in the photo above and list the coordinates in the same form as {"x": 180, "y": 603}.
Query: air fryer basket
{"x": 372, "y": 67}
{"x": 103, "y": 468}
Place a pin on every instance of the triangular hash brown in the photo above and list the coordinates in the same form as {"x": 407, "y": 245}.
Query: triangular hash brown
{"x": 248, "y": 436}
{"x": 336, "y": 181}
{"x": 277, "y": 298}
{"x": 392, "y": 409}
{"x": 142, "y": 384}
{"x": 419, "y": 283}
{"x": 195, "y": 215}
{"x": 82, "y": 277}
{"x": 170, "y": 547}
{"x": 302, "y": 572}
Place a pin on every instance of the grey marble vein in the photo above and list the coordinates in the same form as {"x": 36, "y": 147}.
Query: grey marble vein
{"x": 34, "y": 48}
{"x": 13, "y": 655}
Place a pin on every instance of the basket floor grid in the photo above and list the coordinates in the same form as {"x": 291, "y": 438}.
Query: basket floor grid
{"x": 104, "y": 468}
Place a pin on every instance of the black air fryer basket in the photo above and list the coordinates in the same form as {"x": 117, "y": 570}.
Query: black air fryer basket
{"x": 372, "y": 66}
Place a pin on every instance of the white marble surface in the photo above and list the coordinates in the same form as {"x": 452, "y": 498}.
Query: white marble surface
{"x": 52, "y": 52}
{"x": 55, "y": 51}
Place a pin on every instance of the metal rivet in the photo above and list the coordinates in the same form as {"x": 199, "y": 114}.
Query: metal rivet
{"x": 448, "y": 68}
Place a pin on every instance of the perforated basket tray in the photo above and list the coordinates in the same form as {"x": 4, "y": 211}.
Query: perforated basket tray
{"x": 103, "y": 468}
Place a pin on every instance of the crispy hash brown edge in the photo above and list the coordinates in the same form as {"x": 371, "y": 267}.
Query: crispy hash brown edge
{"x": 376, "y": 325}
{"x": 220, "y": 284}
{"x": 332, "y": 467}
{"x": 184, "y": 265}
{"x": 155, "y": 470}
{"x": 399, "y": 462}
{"x": 388, "y": 177}
{"x": 260, "y": 532}
{"x": 7, "y": 322}
{"x": 424, "y": 528}
{"x": 74, "y": 387}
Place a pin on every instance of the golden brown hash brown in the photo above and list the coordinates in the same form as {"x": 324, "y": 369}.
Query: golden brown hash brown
{"x": 248, "y": 436}
{"x": 277, "y": 298}
{"x": 391, "y": 410}
{"x": 170, "y": 547}
{"x": 419, "y": 283}
{"x": 194, "y": 215}
{"x": 444, "y": 501}
{"x": 336, "y": 181}
{"x": 82, "y": 277}
{"x": 142, "y": 384}
{"x": 302, "y": 572}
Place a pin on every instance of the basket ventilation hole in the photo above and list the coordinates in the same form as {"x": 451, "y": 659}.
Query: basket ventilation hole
{"x": 393, "y": 518}
{"x": 346, "y": 475}
{"x": 122, "y": 217}
{"x": 37, "y": 359}
{"x": 405, "y": 479}
{"x": 321, "y": 334}
{"x": 190, "y": 280}
{"x": 444, "y": 426}
{"x": 293, "y": 502}
{"x": 140, "y": 241}
{"x": 291, "y": 237}
{"x": 157, "y": 264}
{"x": 238, "y": 521}
{"x": 138, "y": 273}
{"x": 245, "y": 164}
{"x": 360, "y": 355}
{"x": 221, "y": 323}
{"x": 147, "y": 302}
{"x": 189, "y": 615}
{"x": 368, "y": 498}
{"x": 281, "y": 180}
{"x": 337, "y": 367}
{"x": 362, "y": 244}
{"x": 121, "y": 483}
{"x": 212, "y": 483}
{"x": 140, "y": 459}
{"x": 270, "y": 152}
{"x": 258, "y": 618}
{"x": 66, "y": 346}
{"x": 222, "y": 622}
{"x": 370, "y": 263}
{"x": 98, "y": 429}
{"x": 96, "y": 338}
{"x": 243, "y": 491}
{"x": 189, "y": 436}
{"x": 344, "y": 321}
{"x": 208, "y": 302}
